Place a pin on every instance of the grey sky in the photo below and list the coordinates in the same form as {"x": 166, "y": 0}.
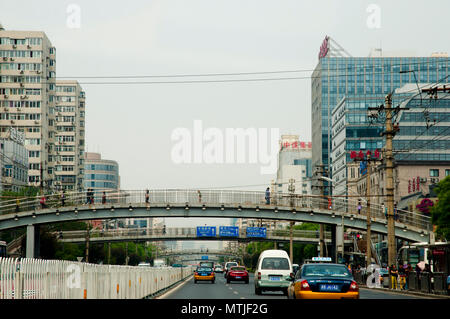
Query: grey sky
{"x": 132, "y": 124}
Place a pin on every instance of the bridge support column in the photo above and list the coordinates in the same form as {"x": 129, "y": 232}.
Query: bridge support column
{"x": 33, "y": 242}
{"x": 333, "y": 248}
{"x": 339, "y": 240}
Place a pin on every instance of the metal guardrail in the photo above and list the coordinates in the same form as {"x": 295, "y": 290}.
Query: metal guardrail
{"x": 181, "y": 232}
{"x": 58, "y": 279}
{"x": 216, "y": 198}
{"x": 429, "y": 283}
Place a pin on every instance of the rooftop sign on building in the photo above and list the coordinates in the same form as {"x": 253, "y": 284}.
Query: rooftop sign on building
{"x": 324, "y": 48}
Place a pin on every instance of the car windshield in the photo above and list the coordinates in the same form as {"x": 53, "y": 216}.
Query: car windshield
{"x": 231, "y": 265}
{"x": 238, "y": 268}
{"x": 275, "y": 263}
{"x": 204, "y": 269}
{"x": 326, "y": 271}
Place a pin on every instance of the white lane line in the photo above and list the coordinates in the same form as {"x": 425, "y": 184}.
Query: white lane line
{"x": 235, "y": 292}
{"x": 171, "y": 291}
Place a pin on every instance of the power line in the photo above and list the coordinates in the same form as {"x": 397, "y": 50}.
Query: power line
{"x": 220, "y": 74}
{"x": 228, "y": 74}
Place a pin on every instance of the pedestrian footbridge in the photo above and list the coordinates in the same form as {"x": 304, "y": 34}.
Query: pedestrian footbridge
{"x": 339, "y": 212}
{"x": 186, "y": 233}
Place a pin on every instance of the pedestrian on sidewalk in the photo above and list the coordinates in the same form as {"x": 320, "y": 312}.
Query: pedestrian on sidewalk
{"x": 147, "y": 198}
{"x": 92, "y": 196}
{"x": 401, "y": 276}
{"x": 359, "y": 207}
{"x": 63, "y": 198}
{"x": 408, "y": 270}
{"x": 393, "y": 273}
{"x": 17, "y": 205}
{"x": 42, "y": 201}
{"x": 104, "y": 198}
{"x": 268, "y": 196}
{"x": 199, "y": 196}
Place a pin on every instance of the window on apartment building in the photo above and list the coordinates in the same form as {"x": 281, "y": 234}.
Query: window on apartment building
{"x": 434, "y": 173}
{"x": 447, "y": 172}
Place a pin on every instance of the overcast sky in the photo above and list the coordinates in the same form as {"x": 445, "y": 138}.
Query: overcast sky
{"x": 132, "y": 123}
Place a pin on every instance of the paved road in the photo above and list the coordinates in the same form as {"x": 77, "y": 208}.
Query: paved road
{"x": 239, "y": 290}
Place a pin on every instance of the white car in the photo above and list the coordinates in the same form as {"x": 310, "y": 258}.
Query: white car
{"x": 273, "y": 271}
{"x": 218, "y": 269}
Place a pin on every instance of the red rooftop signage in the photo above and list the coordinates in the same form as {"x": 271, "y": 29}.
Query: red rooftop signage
{"x": 324, "y": 48}
{"x": 296, "y": 145}
{"x": 361, "y": 155}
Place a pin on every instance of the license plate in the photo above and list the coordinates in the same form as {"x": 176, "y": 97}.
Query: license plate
{"x": 329, "y": 288}
{"x": 238, "y": 277}
{"x": 204, "y": 274}
{"x": 275, "y": 278}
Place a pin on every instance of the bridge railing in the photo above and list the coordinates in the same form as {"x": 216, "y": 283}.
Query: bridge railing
{"x": 216, "y": 198}
{"x": 179, "y": 232}
{"x": 59, "y": 279}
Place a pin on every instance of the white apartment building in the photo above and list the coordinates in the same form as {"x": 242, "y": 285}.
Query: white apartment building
{"x": 294, "y": 163}
{"x": 27, "y": 86}
{"x": 30, "y": 100}
{"x": 69, "y": 136}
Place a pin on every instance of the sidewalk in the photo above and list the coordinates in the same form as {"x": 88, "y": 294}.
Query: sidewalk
{"x": 409, "y": 292}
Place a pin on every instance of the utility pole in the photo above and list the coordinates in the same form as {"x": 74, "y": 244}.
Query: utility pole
{"x": 369, "y": 221}
{"x": 87, "y": 242}
{"x": 392, "y": 251}
{"x": 291, "y": 190}
{"x": 389, "y": 158}
{"x": 320, "y": 172}
{"x": 109, "y": 253}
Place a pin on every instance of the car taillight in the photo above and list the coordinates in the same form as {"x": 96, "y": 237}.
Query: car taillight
{"x": 259, "y": 275}
{"x": 196, "y": 273}
{"x": 304, "y": 285}
{"x": 353, "y": 286}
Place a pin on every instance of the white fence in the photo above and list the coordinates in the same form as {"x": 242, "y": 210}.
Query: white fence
{"x": 59, "y": 279}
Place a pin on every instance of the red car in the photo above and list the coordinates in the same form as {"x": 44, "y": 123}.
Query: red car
{"x": 237, "y": 273}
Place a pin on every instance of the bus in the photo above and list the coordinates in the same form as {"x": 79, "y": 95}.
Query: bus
{"x": 2, "y": 248}
{"x": 433, "y": 254}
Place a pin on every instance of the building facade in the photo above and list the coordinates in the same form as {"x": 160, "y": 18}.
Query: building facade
{"x": 100, "y": 174}
{"x": 13, "y": 162}
{"x": 339, "y": 75}
{"x": 34, "y": 103}
{"x": 294, "y": 163}
{"x": 69, "y": 137}
{"x": 421, "y": 147}
{"x": 27, "y": 86}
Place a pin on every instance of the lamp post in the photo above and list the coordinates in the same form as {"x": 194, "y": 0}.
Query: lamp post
{"x": 341, "y": 247}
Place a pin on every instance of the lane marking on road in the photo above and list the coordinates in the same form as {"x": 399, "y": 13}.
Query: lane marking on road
{"x": 171, "y": 291}
{"x": 235, "y": 292}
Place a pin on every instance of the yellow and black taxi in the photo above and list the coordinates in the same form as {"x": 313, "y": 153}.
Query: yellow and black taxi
{"x": 203, "y": 273}
{"x": 323, "y": 280}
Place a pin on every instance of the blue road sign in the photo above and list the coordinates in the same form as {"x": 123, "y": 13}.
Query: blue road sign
{"x": 229, "y": 231}
{"x": 204, "y": 257}
{"x": 259, "y": 232}
{"x": 206, "y": 231}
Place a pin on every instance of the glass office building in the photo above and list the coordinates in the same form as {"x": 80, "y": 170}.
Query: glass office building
{"x": 424, "y": 134}
{"x": 363, "y": 81}
{"x": 100, "y": 174}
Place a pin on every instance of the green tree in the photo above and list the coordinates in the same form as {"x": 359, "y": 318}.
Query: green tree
{"x": 440, "y": 213}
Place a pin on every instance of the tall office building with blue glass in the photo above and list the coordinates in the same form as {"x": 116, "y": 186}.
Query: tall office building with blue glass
{"x": 363, "y": 82}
